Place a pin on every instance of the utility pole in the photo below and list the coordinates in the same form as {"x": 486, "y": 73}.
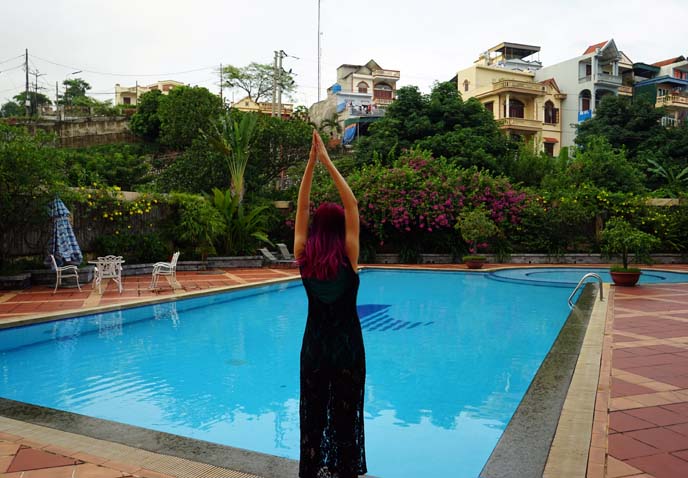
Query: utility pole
{"x": 279, "y": 84}
{"x": 221, "y": 99}
{"x": 36, "y": 74}
{"x": 137, "y": 93}
{"x": 318, "y": 50}
{"x": 274, "y": 85}
{"x": 27, "y": 103}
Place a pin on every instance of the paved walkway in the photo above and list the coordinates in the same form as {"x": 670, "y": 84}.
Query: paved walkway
{"x": 640, "y": 426}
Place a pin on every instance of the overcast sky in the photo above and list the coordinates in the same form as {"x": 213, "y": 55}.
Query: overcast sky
{"x": 126, "y": 41}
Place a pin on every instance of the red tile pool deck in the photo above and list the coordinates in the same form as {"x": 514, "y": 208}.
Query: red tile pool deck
{"x": 640, "y": 426}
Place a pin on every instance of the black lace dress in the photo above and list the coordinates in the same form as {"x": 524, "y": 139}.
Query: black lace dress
{"x": 332, "y": 380}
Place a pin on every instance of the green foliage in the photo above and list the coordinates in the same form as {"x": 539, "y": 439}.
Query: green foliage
{"x": 619, "y": 237}
{"x": 145, "y": 123}
{"x": 30, "y": 176}
{"x": 442, "y": 123}
{"x": 528, "y": 168}
{"x": 232, "y": 136}
{"x": 602, "y": 166}
{"x": 135, "y": 248}
{"x": 624, "y": 122}
{"x": 245, "y": 226}
{"x": 278, "y": 146}
{"x": 256, "y": 80}
{"x": 75, "y": 92}
{"x": 198, "y": 169}
{"x": 475, "y": 226}
{"x": 37, "y": 100}
{"x": 12, "y": 109}
{"x": 122, "y": 165}
{"x": 184, "y": 112}
{"x": 195, "y": 224}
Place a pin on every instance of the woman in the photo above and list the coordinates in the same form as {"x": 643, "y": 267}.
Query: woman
{"x": 332, "y": 353}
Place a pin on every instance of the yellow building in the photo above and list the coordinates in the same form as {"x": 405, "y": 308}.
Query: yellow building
{"x": 247, "y": 105}
{"x": 129, "y": 95}
{"x": 503, "y": 80}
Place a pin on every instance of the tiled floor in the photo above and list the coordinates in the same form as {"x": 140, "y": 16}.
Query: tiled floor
{"x": 640, "y": 416}
{"x": 648, "y": 403}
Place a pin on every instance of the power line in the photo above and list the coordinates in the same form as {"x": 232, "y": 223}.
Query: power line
{"x": 10, "y": 59}
{"x": 21, "y": 65}
{"x": 122, "y": 74}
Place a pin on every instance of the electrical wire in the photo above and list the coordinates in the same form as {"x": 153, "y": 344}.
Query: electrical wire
{"x": 122, "y": 74}
{"x": 21, "y": 65}
{"x": 10, "y": 59}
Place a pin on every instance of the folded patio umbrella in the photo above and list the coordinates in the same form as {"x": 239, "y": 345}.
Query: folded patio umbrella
{"x": 63, "y": 244}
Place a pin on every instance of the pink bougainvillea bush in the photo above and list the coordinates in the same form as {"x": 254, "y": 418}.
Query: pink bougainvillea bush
{"x": 416, "y": 202}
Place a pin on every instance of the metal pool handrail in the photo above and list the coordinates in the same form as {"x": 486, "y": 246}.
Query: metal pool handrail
{"x": 580, "y": 283}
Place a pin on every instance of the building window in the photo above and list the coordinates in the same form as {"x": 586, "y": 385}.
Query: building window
{"x": 489, "y": 106}
{"x": 362, "y": 87}
{"x": 588, "y": 69}
{"x": 549, "y": 149}
{"x": 551, "y": 113}
{"x": 585, "y": 100}
{"x": 466, "y": 84}
{"x": 382, "y": 91}
{"x": 126, "y": 100}
{"x": 516, "y": 109}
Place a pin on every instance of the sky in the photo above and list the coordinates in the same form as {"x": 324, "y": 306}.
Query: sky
{"x": 126, "y": 41}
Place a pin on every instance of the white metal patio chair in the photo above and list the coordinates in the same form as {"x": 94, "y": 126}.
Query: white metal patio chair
{"x": 60, "y": 270}
{"x": 108, "y": 267}
{"x": 165, "y": 269}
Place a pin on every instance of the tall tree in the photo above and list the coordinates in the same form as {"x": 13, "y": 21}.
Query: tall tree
{"x": 75, "y": 91}
{"x": 256, "y": 80}
{"x": 184, "y": 112}
{"x": 146, "y": 121}
{"x": 36, "y": 99}
{"x": 12, "y": 108}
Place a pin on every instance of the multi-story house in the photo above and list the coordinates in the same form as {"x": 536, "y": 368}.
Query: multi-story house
{"x": 247, "y": 105}
{"x": 586, "y": 79}
{"x": 665, "y": 84}
{"x": 503, "y": 80}
{"x": 129, "y": 95}
{"x": 358, "y": 98}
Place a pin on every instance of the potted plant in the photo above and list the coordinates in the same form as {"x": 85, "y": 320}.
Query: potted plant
{"x": 620, "y": 238}
{"x": 476, "y": 227}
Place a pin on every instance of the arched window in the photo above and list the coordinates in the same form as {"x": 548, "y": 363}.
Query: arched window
{"x": 466, "y": 84}
{"x": 382, "y": 91}
{"x": 362, "y": 87}
{"x": 551, "y": 113}
{"x": 584, "y": 100}
{"x": 516, "y": 109}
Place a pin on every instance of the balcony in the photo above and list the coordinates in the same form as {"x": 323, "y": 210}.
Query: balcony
{"x": 391, "y": 74}
{"x": 625, "y": 90}
{"x": 383, "y": 101}
{"x": 608, "y": 79}
{"x": 678, "y": 101}
{"x": 515, "y": 86}
{"x": 364, "y": 111}
{"x": 520, "y": 124}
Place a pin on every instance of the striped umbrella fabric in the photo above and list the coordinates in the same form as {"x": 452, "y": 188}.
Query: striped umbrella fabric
{"x": 63, "y": 244}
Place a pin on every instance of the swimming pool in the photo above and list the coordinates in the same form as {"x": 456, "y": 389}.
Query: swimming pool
{"x": 449, "y": 357}
{"x": 569, "y": 276}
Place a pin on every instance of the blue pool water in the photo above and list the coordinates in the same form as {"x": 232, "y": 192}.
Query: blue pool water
{"x": 569, "y": 276}
{"x": 449, "y": 357}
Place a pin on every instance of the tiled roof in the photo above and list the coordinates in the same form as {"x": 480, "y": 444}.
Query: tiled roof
{"x": 669, "y": 61}
{"x": 592, "y": 48}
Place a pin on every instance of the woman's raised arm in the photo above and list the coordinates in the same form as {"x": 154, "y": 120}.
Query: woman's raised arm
{"x": 304, "y": 202}
{"x": 348, "y": 201}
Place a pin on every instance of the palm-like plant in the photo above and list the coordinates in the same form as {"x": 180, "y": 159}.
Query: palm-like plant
{"x": 330, "y": 125}
{"x": 675, "y": 181}
{"x": 244, "y": 228}
{"x": 232, "y": 138}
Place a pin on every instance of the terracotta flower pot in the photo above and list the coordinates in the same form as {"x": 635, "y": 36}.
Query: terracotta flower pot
{"x": 625, "y": 279}
{"x": 474, "y": 263}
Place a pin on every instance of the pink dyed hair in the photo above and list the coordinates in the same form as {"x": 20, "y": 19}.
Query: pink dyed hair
{"x": 324, "y": 252}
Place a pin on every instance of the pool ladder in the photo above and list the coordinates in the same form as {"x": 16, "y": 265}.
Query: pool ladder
{"x": 582, "y": 282}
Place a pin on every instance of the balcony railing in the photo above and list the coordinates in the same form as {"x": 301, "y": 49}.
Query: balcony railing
{"x": 383, "y": 101}
{"x": 668, "y": 121}
{"x": 609, "y": 79}
{"x": 672, "y": 100}
{"x": 365, "y": 111}
{"x": 521, "y": 86}
{"x": 626, "y": 90}
{"x": 386, "y": 73}
{"x": 520, "y": 123}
